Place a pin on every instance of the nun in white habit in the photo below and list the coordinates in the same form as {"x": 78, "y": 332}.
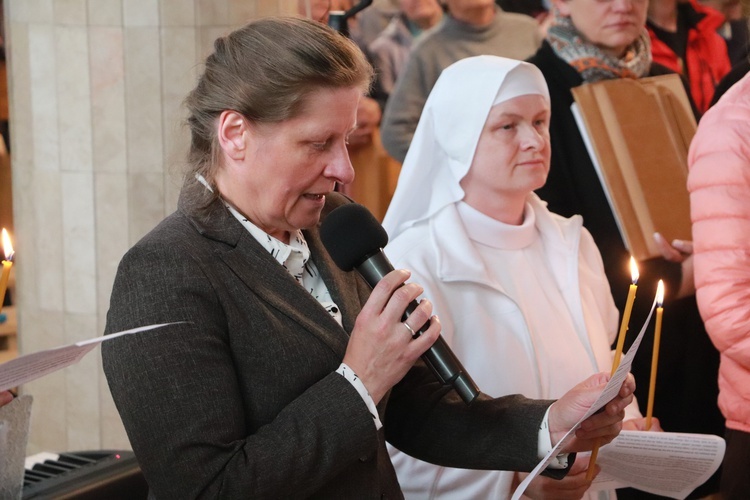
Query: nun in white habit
{"x": 520, "y": 291}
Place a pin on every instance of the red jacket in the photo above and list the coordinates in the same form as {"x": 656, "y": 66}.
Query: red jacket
{"x": 707, "y": 58}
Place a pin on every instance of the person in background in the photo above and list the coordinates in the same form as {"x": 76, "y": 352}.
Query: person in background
{"x": 590, "y": 41}
{"x": 280, "y": 375}
{"x": 738, "y": 44}
{"x": 368, "y": 110}
{"x": 534, "y": 8}
{"x": 521, "y": 292}
{"x": 538, "y": 9}
{"x": 735, "y": 75}
{"x": 735, "y": 31}
{"x": 684, "y": 39}
{"x": 731, "y": 9}
{"x": 372, "y": 20}
{"x": 719, "y": 185}
{"x": 363, "y": 27}
{"x": 469, "y": 28}
{"x": 390, "y": 50}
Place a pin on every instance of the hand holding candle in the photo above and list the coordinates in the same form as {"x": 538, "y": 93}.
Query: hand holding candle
{"x": 620, "y": 344}
{"x": 7, "y": 265}
{"x": 655, "y": 356}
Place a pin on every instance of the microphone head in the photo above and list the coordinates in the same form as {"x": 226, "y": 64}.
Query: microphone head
{"x": 351, "y": 233}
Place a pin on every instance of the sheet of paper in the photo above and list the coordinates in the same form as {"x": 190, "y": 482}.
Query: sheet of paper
{"x": 608, "y": 393}
{"x": 669, "y": 464}
{"x": 33, "y": 366}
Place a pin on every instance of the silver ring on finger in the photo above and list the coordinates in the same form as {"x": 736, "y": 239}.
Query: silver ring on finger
{"x": 413, "y": 335}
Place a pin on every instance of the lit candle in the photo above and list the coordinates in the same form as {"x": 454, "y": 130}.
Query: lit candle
{"x": 655, "y": 356}
{"x": 618, "y": 351}
{"x": 626, "y": 315}
{"x": 7, "y": 264}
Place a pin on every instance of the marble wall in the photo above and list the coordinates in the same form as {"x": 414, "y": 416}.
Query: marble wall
{"x": 97, "y": 144}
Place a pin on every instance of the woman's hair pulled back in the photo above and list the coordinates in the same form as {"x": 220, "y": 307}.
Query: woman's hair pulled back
{"x": 264, "y": 71}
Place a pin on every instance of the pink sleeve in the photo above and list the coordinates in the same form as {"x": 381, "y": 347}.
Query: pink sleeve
{"x": 719, "y": 185}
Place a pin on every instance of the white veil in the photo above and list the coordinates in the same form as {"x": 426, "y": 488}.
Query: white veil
{"x": 448, "y": 131}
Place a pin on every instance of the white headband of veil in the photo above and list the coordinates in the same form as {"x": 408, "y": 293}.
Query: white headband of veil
{"x": 446, "y": 137}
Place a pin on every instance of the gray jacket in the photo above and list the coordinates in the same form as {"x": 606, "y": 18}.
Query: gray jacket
{"x": 242, "y": 400}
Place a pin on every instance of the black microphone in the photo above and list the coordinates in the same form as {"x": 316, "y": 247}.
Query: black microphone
{"x": 355, "y": 239}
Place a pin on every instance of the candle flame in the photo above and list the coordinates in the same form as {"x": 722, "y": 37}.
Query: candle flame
{"x": 634, "y": 270}
{"x": 7, "y": 247}
{"x": 660, "y": 294}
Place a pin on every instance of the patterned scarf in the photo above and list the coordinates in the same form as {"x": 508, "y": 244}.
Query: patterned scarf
{"x": 591, "y": 62}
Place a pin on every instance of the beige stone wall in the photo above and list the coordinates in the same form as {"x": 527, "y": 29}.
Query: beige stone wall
{"x": 95, "y": 101}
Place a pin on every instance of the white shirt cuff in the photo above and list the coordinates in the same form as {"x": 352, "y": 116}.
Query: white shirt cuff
{"x": 544, "y": 445}
{"x": 353, "y": 379}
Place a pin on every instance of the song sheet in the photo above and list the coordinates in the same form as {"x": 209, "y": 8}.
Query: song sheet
{"x": 608, "y": 393}
{"x": 669, "y": 464}
{"x": 33, "y": 366}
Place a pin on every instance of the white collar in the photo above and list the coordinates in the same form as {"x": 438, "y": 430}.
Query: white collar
{"x": 277, "y": 248}
{"x": 493, "y": 233}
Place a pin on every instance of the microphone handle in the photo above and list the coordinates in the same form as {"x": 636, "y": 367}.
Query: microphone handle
{"x": 439, "y": 357}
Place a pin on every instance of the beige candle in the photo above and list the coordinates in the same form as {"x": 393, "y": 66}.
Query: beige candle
{"x": 618, "y": 351}
{"x": 655, "y": 356}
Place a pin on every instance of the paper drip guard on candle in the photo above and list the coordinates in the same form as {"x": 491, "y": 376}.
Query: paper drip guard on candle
{"x": 618, "y": 351}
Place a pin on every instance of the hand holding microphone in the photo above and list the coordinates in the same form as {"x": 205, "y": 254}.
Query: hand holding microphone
{"x": 354, "y": 239}
{"x": 381, "y": 349}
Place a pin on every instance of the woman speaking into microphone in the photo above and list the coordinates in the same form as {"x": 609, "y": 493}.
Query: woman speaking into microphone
{"x": 285, "y": 375}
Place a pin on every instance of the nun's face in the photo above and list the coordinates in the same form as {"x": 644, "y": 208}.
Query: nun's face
{"x": 513, "y": 153}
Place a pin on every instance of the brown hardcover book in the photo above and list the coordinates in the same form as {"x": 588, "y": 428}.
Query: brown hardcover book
{"x": 638, "y": 133}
